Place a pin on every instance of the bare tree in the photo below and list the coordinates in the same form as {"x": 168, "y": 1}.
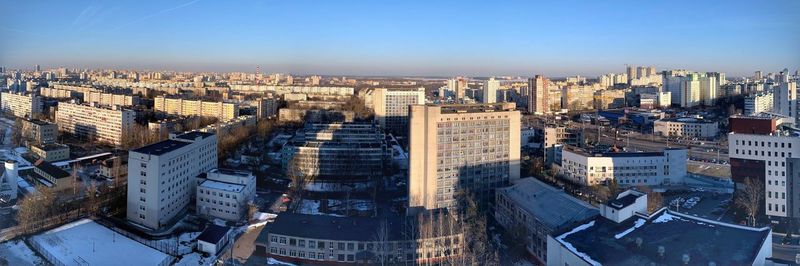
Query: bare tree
{"x": 381, "y": 239}
{"x": 654, "y": 199}
{"x": 750, "y": 198}
{"x": 16, "y": 133}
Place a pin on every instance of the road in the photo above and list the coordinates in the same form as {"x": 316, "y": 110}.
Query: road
{"x": 647, "y": 145}
{"x": 785, "y": 252}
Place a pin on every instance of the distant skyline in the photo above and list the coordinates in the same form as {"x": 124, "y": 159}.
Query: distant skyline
{"x": 414, "y": 38}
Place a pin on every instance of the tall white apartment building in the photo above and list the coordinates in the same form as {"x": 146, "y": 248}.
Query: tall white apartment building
{"x": 225, "y": 194}
{"x": 538, "y": 100}
{"x": 785, "y": 99}
{"x": 758, "y": 102}
{"x": 690, "y": 91}
{"x": 461, "y": 148}
{"x": 20, "y": 105}
{"x": 94, "y": 122}
{"x": 490, "y": 88}
{"x": 708, "y": 90}
{"x": 628, "y": 168}
{"x": 162, "y": 177}
{"x": 223, "y": 110}
{"x": 391, "y": 107}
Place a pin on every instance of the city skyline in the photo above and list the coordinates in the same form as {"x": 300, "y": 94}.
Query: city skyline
{"x": 379, "y": 39}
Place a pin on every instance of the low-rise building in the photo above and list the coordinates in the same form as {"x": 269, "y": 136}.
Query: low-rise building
{"x": 225, "y": 194}
{"x": 627, "y": 168}
{"x": 213, "y": 239}
{"x": 626, "y": 235}
{"x": 540, "y": 210}
{"x": 687, "y": 127}
{"x": 51, "y": 176}
{"x": 51, "y": 152}
{"x": 38, "y": 132}
{"x": 109, "y": 169}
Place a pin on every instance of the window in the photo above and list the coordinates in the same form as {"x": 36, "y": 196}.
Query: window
{"x": 312, "y": 244}
{"x": 341, "y": 246}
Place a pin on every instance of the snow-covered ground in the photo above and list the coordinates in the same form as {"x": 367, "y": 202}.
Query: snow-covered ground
{"x": 87, "y": 242}
{"x": 18, "y": 253}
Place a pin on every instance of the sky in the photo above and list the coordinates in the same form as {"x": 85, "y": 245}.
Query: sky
{"x": 394, "y": 38}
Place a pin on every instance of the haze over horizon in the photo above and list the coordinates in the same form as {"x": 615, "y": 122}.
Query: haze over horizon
{"x": 416, "y": 38}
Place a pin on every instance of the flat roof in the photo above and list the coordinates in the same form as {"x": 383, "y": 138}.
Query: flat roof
{"x": 213, "y": 233}
{"x": 602, "y": 241}
{"x": 86, "y": 242}
{"x": 52, "y": 146}
{"x": 52, "y": 170}
{"x": 550, "y": 205}
{"x": 231, "y": 187}
{"x": 162, "y": 147}
{"x": 194, "y": 134}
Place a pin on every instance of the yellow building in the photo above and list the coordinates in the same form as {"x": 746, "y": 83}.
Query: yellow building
{"x": 222, "y": 110}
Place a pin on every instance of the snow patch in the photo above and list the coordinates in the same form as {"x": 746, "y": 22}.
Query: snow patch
{"x": 666, "y": 217}
{"x": 638, "y": 224}
{"x": 571, "y": 248}
{"x": 271, "y": 261}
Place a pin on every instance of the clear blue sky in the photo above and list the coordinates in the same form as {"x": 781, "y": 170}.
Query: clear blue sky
{"x": 349, "y": 37}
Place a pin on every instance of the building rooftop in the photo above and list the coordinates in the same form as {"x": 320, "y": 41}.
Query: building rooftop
{"x": 51, "y": 170}
{"x": 52, "y": 147}
{"x": 612, "y": 153}
{"x": 162, "y": 147}
{"x": 624, "y": 201}
{"x": 194, "y": 135}
{"x": 230, "y": 187}
{"x": 601, "y": 241}
{"x": 691, "y": 120}
{"x": 552, "y": 206}
{"x": 474, "y": 108}
{"x": 213, "y": 233}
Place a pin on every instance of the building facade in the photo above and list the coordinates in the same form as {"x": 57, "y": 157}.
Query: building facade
{"x": 758, "y": 102}
{"x": 686, "y": 127}
{"x": 21, "y": 105}
{"x": 490, "y": 88}
{"x": 51, "y": 152}
{"x": 362, "y": 240}
{"x": 627, "y": 168}
{"x": 461, "y": 148}
{"x": 224, "y": 111}
{"x": 761, "y": 156}
{"x": 337, "y": 153}
{"x": 540, "y": 210}
{"x": 391, "y": 107}
{"x": 94, "y": 122}
{"x": 38, "y": 132}
{"x": 537, "y": 97}
{"x": 162, "y": 177}
{"x": 225, "y": 194}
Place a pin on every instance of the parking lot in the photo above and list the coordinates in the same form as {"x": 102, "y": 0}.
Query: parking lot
{"x": 708, "y": 205}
